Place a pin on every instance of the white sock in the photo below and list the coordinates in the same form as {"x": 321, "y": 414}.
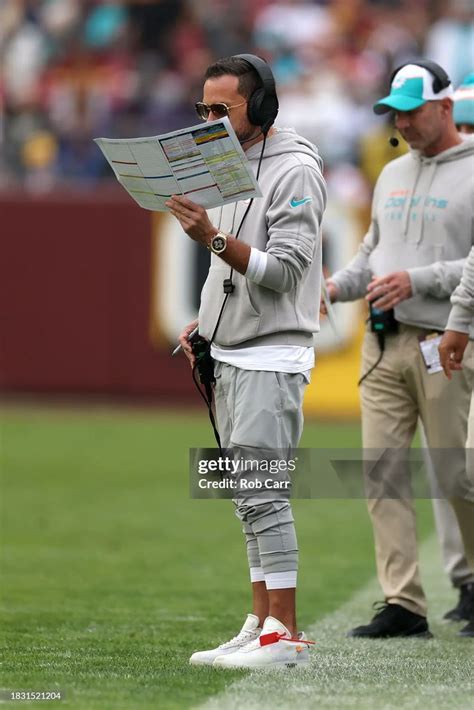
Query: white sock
{"x": 256, "y": 574}
{"x": 281, "y": 580}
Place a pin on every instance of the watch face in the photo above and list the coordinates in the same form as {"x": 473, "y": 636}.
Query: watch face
{"x": 218, "y": 244}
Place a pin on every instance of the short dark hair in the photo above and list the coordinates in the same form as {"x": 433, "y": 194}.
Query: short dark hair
{"x": 249, "y": 79}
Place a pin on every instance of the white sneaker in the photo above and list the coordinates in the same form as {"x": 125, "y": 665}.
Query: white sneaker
{"x": 274, "y": 648}
{"x": 248, "y": 633}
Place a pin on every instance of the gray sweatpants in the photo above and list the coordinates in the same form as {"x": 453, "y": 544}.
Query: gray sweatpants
{"x": 259, "y": 411}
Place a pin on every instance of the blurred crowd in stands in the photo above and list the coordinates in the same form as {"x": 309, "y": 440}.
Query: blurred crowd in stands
{"x": 72, "y": 70}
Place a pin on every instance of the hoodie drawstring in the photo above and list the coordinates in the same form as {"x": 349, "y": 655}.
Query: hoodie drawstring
{"x": 409, "y": 199}
{"x": 427, "y": 170}
{"x": 431, "y": 173}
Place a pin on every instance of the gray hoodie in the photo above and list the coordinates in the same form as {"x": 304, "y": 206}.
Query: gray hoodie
{"x": 462, "y": 312}
{"x": 422, "y": 222}
{"x": 286, "y": 223}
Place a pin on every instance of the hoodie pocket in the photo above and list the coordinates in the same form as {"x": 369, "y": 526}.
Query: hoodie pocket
{"x": 253, "y": 308}
{"x": 241, "y": 322}
{"x": 240, "y": 319}
{"x": 431, "y": 246}
{"x": 434, "y": 237}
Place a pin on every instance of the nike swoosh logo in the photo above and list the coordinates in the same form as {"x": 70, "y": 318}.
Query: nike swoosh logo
{"x": 298, "y": 203}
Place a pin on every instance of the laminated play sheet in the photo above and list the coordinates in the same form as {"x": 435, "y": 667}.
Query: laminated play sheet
{"x": 205, "y": 163}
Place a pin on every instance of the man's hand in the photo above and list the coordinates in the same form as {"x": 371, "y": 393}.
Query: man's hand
{"x": 388, "y": 291}
{"x": 451, "y": 350}
{"x": 332, "y": 292}
{"x": 197, "y": 225}
{"x": 183, "y": 340}
{"x": 193, "y": 219}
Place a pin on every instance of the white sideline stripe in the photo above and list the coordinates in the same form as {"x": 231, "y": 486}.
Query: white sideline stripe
{"x": 368, "y": 674}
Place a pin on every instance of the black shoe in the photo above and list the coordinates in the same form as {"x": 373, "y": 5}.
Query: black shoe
{"x": 393, "y": 620}
{"x": 467, "y": 630}
{"x": 461, "y": 612}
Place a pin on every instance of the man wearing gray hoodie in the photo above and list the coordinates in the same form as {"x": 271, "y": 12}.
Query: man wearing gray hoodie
{"x": 456, "y": 338}
{"x": 410, "y": 261}
{"x": 258, "y": 311}
{"x": 455, "y": 341}
{"x": 452, "y": 350}
{"x": 452, "y": 547}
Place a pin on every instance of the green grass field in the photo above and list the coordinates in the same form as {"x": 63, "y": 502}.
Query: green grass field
{"x": 112, "y": 576}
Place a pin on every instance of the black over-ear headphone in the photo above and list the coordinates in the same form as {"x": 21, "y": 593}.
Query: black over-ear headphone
{"x": 262, "y": 107}
{"x": 440, "y": 79}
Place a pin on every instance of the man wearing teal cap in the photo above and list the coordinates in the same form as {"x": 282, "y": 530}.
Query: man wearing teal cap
{"x": 412, "y": 88}
{"x": 407, "y": 266}
{"x": 463, "y": 112}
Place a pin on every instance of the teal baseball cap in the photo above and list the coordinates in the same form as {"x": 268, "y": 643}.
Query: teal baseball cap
{"x": 412, "y": 86}
{"x": 463, "y": 111}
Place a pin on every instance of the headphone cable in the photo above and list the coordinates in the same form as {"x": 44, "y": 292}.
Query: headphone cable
{"x": 236, "y": 237}
{"x": 381, "y": 341}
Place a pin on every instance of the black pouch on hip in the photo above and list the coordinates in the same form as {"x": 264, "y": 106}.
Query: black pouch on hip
{"x": 204, "y": 362}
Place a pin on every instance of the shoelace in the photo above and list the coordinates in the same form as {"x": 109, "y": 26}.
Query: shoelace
{"x": 380, "y": 606}
{"x": 237, "y": 639}
{"x": 251, "y": 646}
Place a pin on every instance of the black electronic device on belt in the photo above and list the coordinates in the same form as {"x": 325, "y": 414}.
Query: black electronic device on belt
{"x": 204, "y": 364}
{"x": 382, "y": 321}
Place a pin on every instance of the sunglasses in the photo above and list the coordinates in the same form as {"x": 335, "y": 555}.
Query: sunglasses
{"x": 220, "y": 110}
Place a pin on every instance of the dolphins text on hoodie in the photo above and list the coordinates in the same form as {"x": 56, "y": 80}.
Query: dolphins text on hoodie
{"x": 422, "y": 222}
{"x": 283, "y": 308}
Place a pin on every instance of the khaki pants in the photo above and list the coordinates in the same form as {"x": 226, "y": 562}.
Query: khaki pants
{"x": 469, "y": 367}
{"x": 393, "y": 397}
{"x": 447, "y": 528}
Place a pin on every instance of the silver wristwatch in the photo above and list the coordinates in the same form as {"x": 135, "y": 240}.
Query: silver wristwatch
{"x": 218, "y": 243}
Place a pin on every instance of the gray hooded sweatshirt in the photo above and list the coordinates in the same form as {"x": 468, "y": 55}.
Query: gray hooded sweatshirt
{"x": 462, "y": 312}
{"x": 283, "y": 308}
{"x": 422, "y": 222}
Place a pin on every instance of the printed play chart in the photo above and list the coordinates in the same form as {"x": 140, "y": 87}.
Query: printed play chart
{"x": 205, "y": 163}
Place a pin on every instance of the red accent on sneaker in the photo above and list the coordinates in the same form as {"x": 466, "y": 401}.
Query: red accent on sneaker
{"x": 274, "y": 637}
{"x": 267, "y": 639}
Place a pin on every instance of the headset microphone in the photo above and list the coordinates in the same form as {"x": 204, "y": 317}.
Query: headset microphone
{"x": 394, "y": 142}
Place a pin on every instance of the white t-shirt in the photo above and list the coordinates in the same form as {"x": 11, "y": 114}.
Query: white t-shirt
{"x": 275, "y": 358}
